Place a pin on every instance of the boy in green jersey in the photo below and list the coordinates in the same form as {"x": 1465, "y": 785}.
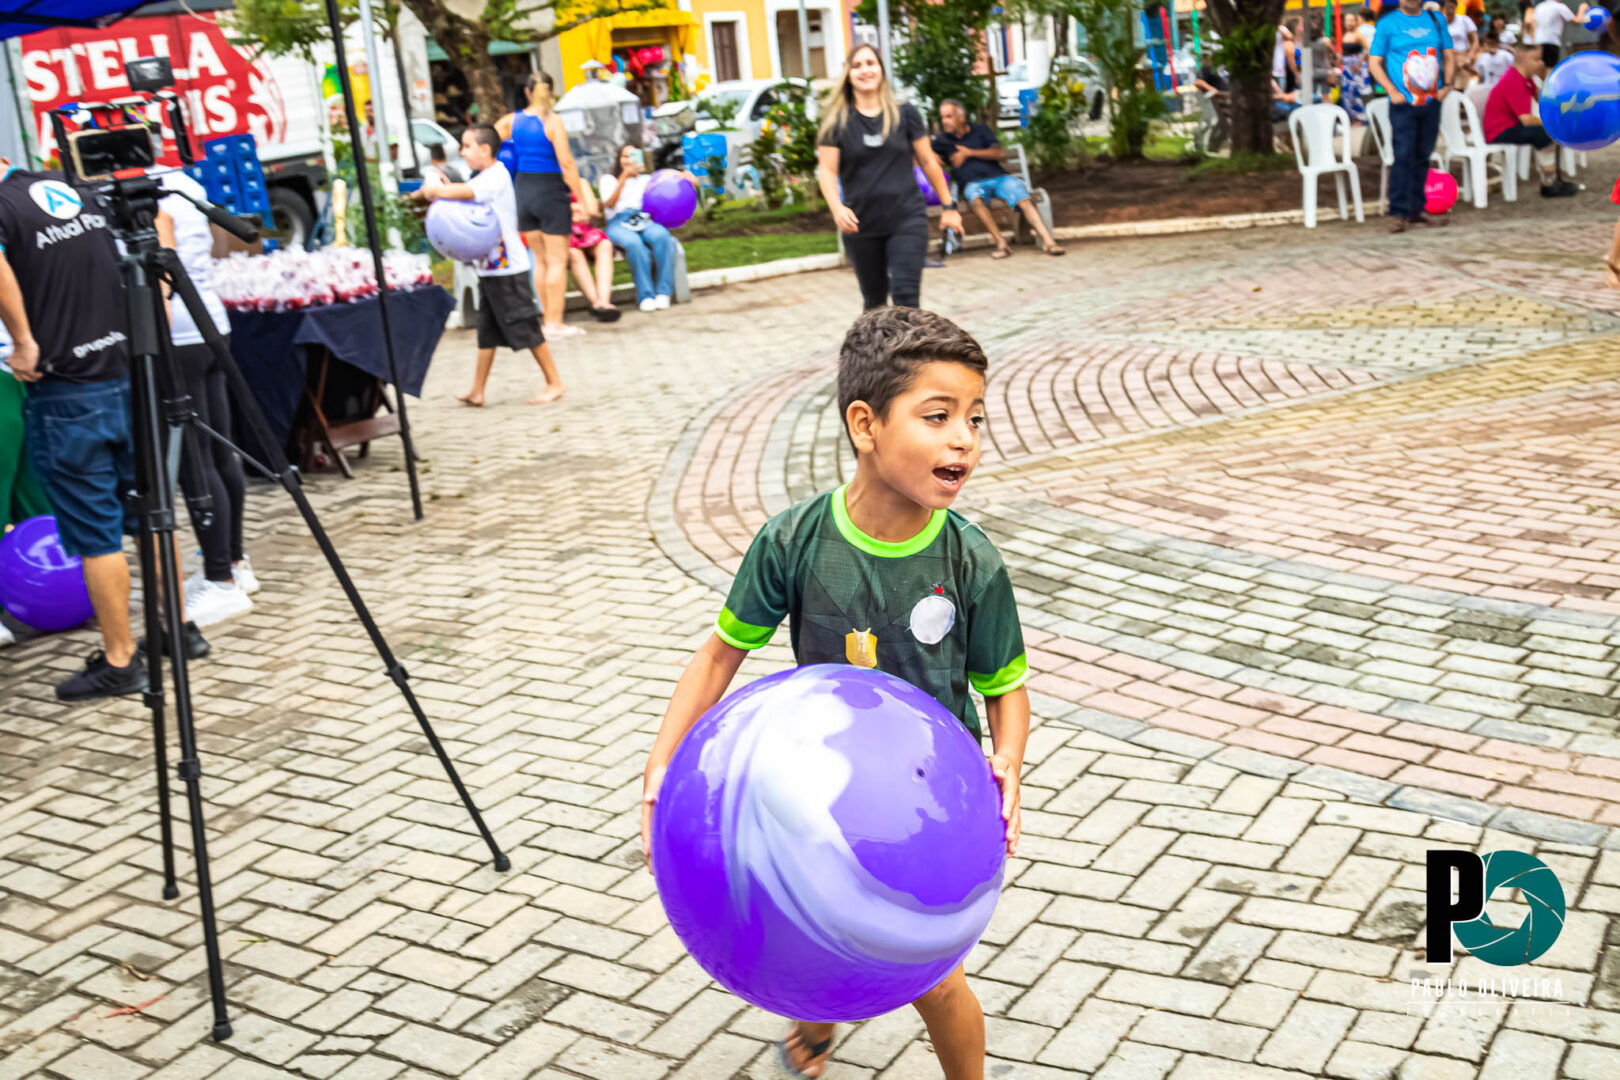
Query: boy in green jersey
{"x": 880, "y": 573}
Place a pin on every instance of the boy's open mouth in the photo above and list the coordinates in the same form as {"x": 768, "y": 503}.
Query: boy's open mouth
{"x": 951, "y": 475}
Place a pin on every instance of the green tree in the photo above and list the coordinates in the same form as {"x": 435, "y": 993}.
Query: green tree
{"x": 297, "y": 27}
{"x": 1248, "y": 30}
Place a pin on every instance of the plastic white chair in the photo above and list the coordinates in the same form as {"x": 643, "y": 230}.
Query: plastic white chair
{"x": 1465, "y": 139}
{"x": 1384, "y": 139}
{"x": 1316, "y": 129}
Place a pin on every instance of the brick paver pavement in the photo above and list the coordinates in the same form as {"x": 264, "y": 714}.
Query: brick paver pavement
{"x": 1312, "y": 536}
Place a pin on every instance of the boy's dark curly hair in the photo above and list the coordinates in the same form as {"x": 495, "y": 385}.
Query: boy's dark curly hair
{"x": 886, "y": 346}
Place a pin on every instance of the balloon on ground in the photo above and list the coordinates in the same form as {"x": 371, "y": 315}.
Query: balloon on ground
{"x": 670, "y": 199}
{"x": 828, "y": 843}
{"x": 41, "y": 584}
{"x": 1439, "y": 192}
{"x": 465, "y": 231}
{"x": 1580, "y": 101}
{"x": 930, "y": 196}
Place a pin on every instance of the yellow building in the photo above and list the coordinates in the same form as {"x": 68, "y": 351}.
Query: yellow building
{"x": 759, "y": 39}
{"x": 626, "y": 34}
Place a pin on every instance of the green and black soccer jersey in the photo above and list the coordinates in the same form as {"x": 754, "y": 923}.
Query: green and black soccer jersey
{"x": 936, "y": 610}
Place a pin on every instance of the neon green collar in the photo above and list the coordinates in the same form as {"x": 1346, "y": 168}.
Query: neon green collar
{"x": 883, "y": 548}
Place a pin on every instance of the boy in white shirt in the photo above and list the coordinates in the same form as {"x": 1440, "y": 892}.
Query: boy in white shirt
{"x": 1493, "y": 61}
{"x": 506, "y": 310}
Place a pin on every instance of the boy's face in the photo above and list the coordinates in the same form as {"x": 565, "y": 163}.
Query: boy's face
{"x": 928, "y": 445}
{"x": 475, "y": 152}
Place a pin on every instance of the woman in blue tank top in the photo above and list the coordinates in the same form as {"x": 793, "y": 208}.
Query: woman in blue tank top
{"x": 545, "y": 181}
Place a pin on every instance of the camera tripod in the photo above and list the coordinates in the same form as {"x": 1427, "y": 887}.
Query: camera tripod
{"x": 163, "y": 417}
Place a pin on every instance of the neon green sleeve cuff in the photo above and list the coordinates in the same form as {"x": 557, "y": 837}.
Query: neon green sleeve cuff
{"x": 1004, "y": 681}
{"x": 740, "y": 635}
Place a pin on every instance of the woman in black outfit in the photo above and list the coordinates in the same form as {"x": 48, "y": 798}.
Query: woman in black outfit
{"x": 868, "y": 145}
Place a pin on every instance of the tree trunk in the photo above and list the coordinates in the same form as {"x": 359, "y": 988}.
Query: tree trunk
{"x": 1248, "y": 30}
{"x": 467, "y": 43}
{"x": 1251, "y": 119}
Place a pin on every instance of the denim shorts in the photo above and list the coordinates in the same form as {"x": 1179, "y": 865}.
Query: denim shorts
{"x": 79, "y": 444}
{"x": 1008, "y": 188}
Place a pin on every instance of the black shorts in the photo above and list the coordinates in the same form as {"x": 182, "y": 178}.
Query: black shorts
{"x": 506, "y": 312}
{"x": 1550, "y": 55}
{"x": 542, "y": 203}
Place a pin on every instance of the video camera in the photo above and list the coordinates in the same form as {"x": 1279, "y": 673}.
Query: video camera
{"x": 118, "y": 142}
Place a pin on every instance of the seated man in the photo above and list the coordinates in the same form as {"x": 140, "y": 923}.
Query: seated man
{"x": 1511, "y": 117}
{"x": 973, "y": 154}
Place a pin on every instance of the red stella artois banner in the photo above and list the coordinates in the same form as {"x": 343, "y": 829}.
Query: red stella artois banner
{"x": 224, "y": 92}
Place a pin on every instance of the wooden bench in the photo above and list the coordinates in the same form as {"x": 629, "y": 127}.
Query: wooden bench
{"x": 466, "y": 289}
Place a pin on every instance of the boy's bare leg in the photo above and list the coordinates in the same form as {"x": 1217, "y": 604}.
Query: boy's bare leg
{"x": 799, "y": 1042}
{"x": 981, "y": 210}
{"x": 548, "y": 368}
{"x": 1612, "y": 260}
{"x": 486, "y": 361}
{"x": 955, "y": 1027}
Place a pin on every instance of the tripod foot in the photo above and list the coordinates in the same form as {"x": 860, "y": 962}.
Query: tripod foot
{"x": 222, "y": 1030}
{"x": 171, "y": 891}
{"x": 502, "y": 863}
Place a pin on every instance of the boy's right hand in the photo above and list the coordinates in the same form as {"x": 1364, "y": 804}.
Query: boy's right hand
{"x": 649, "y": 795}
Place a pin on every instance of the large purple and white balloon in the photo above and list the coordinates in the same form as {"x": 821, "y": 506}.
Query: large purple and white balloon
{"x": 828, "y": 843}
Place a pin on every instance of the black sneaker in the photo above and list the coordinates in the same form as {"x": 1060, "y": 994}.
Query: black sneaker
{"x": 100, "y": 679}
{"x": 197, "y": 646}
{"x": 1560, "y": 190}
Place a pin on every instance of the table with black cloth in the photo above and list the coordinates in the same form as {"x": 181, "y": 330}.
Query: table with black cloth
{"x": 322, "y": 365}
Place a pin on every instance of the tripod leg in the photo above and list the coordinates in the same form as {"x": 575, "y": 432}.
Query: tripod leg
{"x": 284, "y": 473}
{"x": 154, "y": 702}
{"x": 162, "y": 578}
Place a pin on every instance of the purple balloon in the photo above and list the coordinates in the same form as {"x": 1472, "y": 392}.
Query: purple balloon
{"x": 828, "y": 843}
{"x": 930, "y": 196}
{"x": 39, "y": 582}
{"x": 464, "y": 231}
{"x": 670, "y": 199}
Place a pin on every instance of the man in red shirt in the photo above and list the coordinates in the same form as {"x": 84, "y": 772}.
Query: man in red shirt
{"x": 1510, "y": 117}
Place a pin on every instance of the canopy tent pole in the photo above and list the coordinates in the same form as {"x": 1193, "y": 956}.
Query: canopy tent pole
{"x": 374, "y": 241}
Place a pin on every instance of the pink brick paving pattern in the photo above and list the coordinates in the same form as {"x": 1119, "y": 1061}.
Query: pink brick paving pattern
{"x": 1489, "y": 481}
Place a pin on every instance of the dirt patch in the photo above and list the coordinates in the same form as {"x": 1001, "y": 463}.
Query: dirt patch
{"x": 1106, "y": 192}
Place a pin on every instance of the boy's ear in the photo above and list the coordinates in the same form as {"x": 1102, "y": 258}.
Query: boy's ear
{"x": 859, "y": 418}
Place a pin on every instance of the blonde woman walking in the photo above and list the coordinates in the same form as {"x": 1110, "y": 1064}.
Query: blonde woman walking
{"x": 546, "y": 182}
{"x": 868, "y": 145}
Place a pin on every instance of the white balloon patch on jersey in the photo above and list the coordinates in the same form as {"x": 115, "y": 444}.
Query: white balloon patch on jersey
{"x": 56, "y": 199}
{"x": 932, "y": 617}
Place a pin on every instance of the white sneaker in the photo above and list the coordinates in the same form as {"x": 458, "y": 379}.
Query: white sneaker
{"x": 210, "y": 602}
{"x": 246, "y": 579}
{"x": 648, "y": 304}
{"x": 663, "y": 302}
{"x": 6, "y": 637}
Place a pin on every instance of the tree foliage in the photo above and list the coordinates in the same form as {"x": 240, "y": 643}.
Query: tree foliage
{"x": 1248, "y": 30}
{"x": 946, "y": 41}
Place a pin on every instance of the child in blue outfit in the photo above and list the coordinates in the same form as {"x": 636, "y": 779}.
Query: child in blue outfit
{"x": 882, "y": 574}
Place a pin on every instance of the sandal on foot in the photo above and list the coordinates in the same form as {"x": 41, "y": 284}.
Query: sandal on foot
{"x": 1001, "y": 252}
{"x": 817, "y": 1051}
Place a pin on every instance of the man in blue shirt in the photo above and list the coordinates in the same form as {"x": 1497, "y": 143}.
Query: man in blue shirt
{"x": 973, "y": 154}
{"x": 1413, "y": 61}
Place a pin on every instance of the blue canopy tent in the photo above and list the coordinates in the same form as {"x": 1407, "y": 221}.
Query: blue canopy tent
{"x": 18, "y": 17}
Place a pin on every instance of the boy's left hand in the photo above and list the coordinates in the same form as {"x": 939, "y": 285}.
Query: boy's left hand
{"x": 1007, "y": 778}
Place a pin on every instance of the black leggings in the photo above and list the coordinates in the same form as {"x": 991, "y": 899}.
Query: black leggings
{"x": 890, "y": 265}
{"x": 222, "y": 471}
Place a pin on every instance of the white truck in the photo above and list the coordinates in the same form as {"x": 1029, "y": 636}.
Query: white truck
{"x": 227, "y": 91}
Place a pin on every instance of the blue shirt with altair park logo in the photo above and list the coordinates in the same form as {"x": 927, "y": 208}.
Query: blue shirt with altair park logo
{"x": 936, "y": 610}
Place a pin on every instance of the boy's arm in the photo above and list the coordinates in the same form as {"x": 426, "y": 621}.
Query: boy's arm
{"x": 1009, "y": 733}
{"x": 702, "y": 684}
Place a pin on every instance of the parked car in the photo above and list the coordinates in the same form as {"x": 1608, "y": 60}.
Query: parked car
{"x": 754, "y": 98}
{"x": 1016, "y": 78}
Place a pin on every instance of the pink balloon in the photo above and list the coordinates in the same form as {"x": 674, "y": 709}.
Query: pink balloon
{"x": 1439, "y": 192}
